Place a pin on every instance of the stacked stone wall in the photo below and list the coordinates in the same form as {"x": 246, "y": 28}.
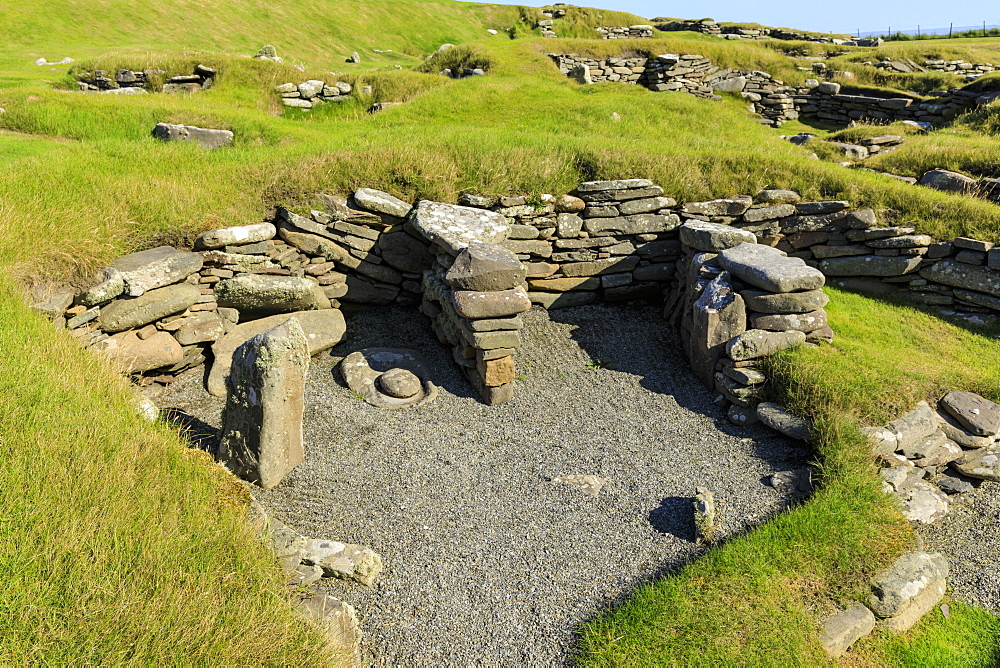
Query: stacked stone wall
{"x": 313, "y": 93}
{"x": 631, "y": 32}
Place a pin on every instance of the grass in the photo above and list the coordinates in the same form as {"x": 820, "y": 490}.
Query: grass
{"x": 757, "y": 599}
{"x": 141, "y": 542}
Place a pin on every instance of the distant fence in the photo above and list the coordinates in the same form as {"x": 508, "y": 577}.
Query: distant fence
{"x": 985, "y": 28}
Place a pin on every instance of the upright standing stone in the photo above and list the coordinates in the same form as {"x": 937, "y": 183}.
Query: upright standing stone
{"x": 718, "y": 315}
{"x": 262, "y": 422}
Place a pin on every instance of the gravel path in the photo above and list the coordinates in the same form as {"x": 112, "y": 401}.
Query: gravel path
{"x": 968, "y": 535}
{"x": 488, "y": 561}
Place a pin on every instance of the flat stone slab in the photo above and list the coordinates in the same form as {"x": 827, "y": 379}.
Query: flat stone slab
{"x": 204, "y": 137}
{"x": 343, "y": 560}
{"x": 961, "y": 275}
{"x": 623, "y": 184}
{"x": 589, "y": 484}
{"x": 763, "y": 301}
{"x": 714, "y": 237}
{"x": 267, "y": 295}
{"x": 125, "y": 314}
{"x": 156, "y": 268}
{"x": 977, "y": 414}
{"x": 382, "y": 202}
{"x": 454, "y": 227}
{"x": 983, "y": 463}
{"x": 135, "y": 355}
{"x": 780, "y": 420}
{"x": 364, "y": 372}
{"x": 872, "y": 265}
{"x": 895, "y": 588}
{"x": 770, "y": 269}
{"x": 234, "y": 236}
{"x": 923, "y": 502}
{"x": 755, "y": 343}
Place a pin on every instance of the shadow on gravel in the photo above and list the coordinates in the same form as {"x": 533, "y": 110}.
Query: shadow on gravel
{"x": 199, "y": 433}
{"x": 673, "y": 516}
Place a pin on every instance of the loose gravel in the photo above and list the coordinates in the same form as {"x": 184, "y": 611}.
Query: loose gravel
{"x": 487, "y": 560}
{"x": 969, "y": 537}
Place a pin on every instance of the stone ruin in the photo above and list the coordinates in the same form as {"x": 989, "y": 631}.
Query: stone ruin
{"x": 129, "y": 81}
{"x": 313, "y": 93}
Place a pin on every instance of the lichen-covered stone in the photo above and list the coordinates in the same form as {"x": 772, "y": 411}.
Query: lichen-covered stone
{"x": 453, "y": 227}
{"x": 770, "y": 269}
{"x": 842, "y": 630}
{"x": 262, "y": 422}
{"x": 123, "y": 314}
{"x": 156, "y": 268}
{"x": 233, "y": 236}
{"x": 258, "y": 295}
{"x": 713, "y": 237}
{"x": 755, "y": 343}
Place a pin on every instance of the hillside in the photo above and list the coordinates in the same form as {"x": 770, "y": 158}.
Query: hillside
{"x": 138, "y": 545}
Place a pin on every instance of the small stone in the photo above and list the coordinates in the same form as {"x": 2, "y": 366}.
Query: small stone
{"x": 399, "y": 383}
{"x": 343, "y": 560}
{"x": 923, "y": 502}
{"x": 763, "y": 301}
{"x": 705, "y": 521}
{"x": 797, "y": 484}
{"x": 111, "y": 285}
{"x": 895, "y": 589}
{"x": 742, "y": 417}
{"x": 589, "y": 484}
{"x": 842, "y": 630}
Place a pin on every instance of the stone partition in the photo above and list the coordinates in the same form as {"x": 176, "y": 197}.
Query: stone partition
{"x": 631, "y": 32}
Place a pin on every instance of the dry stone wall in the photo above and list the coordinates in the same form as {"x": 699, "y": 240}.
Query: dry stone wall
{"x": 313, "y": 93}
{"x": 201, "y": 78}
{"x": 631, "y": 32}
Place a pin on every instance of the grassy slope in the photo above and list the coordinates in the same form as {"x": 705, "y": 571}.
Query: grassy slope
{"x": 81, "y": 173}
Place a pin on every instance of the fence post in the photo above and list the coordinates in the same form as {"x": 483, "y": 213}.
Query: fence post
{"x": 950, "y": 26}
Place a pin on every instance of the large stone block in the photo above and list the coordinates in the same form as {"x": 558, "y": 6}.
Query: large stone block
{"x": 961, "y": 275}
{"x": 870, "y": 265}
{"x": 453, "y": 227}
{"x": 977, "y": 414}
{"x": 483, "y": 267}
{"x": 918, "y": 424}
{"x": 204, "y": 137}
{"x": 763, "y": 301}
{"x": 770, "y": 269}
{"x": 259, "y": 295}
{"x": 947, "y": 181}
{"x": 718, "y": 207}
{"x": 895, "y": 589}
{"x": 476, "y": 305}
{"x": 155, "y": 268}
{"x": 785, "y": 322}
{"x": 125, "y": 314}
{"x": 643, "y": 223}
{"x": 381, "y": 202}
{"x": 322, "y": 330}
{"x": 262, "y": 421}
{"x": 403, "y": 252}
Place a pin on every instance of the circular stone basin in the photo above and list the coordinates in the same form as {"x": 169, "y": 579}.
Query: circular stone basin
{"x": 389, "y": 377}
{"x": 399, "y": 383}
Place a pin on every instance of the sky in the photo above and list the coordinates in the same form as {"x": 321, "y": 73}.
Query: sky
{"x": 837, "y": 16}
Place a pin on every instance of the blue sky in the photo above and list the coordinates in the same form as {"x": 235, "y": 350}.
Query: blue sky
{"x": 819, "y": 15}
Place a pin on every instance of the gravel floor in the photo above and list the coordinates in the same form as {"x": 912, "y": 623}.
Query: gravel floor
{"x": 488, "y": 561}
{"x": 969, "y": 536}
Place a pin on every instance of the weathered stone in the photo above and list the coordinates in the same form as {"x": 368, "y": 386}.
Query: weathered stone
{"x": 705, "y": 521}
{"x": 662, "y": 271}
{"x": 474, "y": 305}
{"x": 232, "y": 236}
{"x": 381, "y": 202}
{"x": 482, "y": 267}
{"x": 343, "y": 560}
{"x": 947, "y": 181}
{"x": 588, "y": 484}
{"x": 156, "y": 268}
{"x": 756, "y": 343}
{"x": 199, "y": 328}
{"x": 919, "y": 606}
{"x": 497, "y": 372}
{"x": 790, "y": 302}
{"x": 821, "y": 208}
{"x": 570, "y": 204}
{"x": 337, "y": 620}
{"x": 842, "y": 630}
{"x": 978, "y": 415}
{"x": 258, "y": 295}
{"x": 896, "y": 588}
{"x": 566, "y": 284}
{"x": 364, "y": 372}
{"x": 601, "y": 186}
{"x": 951, "y": 482}
{"x": 905, "y": 241}
{"x": 134, "y": 355}
{"x": 55, "y": 305}
{"x": 523, "y": 232}
{"x": 954, "y": 430}
{"x": 492, "y": 340}
{"x": 983, "y": 464}
{"x": 403, "y": 252}
{"x": 742, "y": 417}
{"x": 262, "y": 422}
{"x": 717, "y": 316}
{"x": 535, "y": 247}
{"x": 636, "y": 224}
{"x": 770, "y": 269}
{"x": 568, "y": 225}
{"x": 918, "y": 424}
{"x": 632, "y": 207}
{"x": 870, "y": 265}
{"x": 322, "y": 330}
{"x": 713, "y": 237}
{"x": 801, "y": 322}
{"x": 361, "y": 291}
{"x": 923, "y": 502}
{"x": 780, "y": 420}
{"x": 539, "y": 269}
{"x": 777, "y": 197}
{"x": 760, "y": 214}
{"x": 961, "y": 275}
{"x": 454, "y": 227}
{"x": 718, "y": 207}
{"x": 555, "y": 300}
{"x": 111, "y": 285}
{"x": 125, "y": 314}
{"x": 614, "y": 265}
{"x": 204, "y": 137}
